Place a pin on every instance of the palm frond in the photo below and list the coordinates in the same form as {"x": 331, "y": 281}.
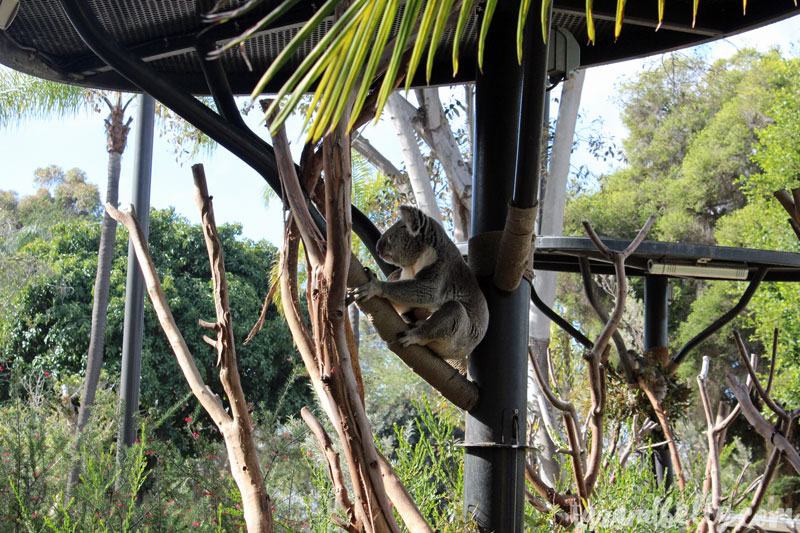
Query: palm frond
{"x": 353, "y": 51}
{"x": 406, "y": 26}
{"x": 24, "y": 98}
{"x": 425, "y": 28}
{"x": 487, "y": 20}
{"x": 620, "y": 14}
{"x": 344, "y": 64}
{"x": 438, "y": 30}
{"x": 524, "y": 5}
{"x": 463, "y": 17}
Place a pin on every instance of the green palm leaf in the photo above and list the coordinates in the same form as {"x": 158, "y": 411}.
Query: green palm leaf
{"x": 406, "y": 26}
{"x": 618, "y": 22}
{"x": 463, "y": 17}
{"x": 356, "y": 49}
{"x": 661, "y": 13}
{"x": 422, "y": 38}
{"x": 524, "y": 5}
{"x": 438, "y": 30}
{"x": 487, "y": 20}
{"x": 374, "y": 59}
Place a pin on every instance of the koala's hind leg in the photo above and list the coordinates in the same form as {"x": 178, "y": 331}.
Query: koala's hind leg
{"x": 445, "y": 332}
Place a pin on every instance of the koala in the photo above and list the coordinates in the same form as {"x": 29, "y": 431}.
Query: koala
{"x": 434, "y": 289}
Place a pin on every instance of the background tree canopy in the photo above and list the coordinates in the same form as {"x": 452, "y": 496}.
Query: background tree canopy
{"x": 708, "y": 144}
{"x": 46, "y": 327}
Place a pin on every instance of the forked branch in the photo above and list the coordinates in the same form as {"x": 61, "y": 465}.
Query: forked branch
{"x": 235, "y": 427}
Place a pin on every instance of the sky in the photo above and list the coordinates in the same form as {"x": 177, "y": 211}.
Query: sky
{"x": 238, "y": 191}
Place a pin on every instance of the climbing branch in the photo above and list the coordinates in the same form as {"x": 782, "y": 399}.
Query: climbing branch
{"x": 324, "y": 347}
{"x": 779, "y": 435}
{"x": 235, "y": 426}
{"x": 597, "y": 359}
{"x": 597, "y": 356}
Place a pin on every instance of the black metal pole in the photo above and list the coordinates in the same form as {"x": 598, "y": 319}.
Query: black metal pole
{"x": 656, "y": 308}
{"x": 494, "y": 463}
{"x": 134, "y": 289}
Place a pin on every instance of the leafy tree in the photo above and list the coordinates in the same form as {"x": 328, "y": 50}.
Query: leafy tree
{"x": 762, "y": 224}
{"x": 708, "y": 144}
{"x": 50, "y": 330}
{"x": 692, "y": 126}
{"x": 62, "y": 195}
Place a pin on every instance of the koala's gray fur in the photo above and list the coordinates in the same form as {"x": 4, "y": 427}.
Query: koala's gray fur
{"x": 434, "y": 288}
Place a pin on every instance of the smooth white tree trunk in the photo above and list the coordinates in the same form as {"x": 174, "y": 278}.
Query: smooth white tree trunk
{"x": 400, "y": 117}
{"x": 552, "y": 223}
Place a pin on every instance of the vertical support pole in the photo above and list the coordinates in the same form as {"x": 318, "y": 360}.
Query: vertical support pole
{"x": 494, "y": 463}
{"x": 656, "y": 308}
{"x": 134, "y": 289}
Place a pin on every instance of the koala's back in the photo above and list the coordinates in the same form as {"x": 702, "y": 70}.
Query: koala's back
{"x": 445, "y": 290}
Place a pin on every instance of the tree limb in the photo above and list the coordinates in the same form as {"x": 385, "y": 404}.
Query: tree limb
{"x": 204, "y": 395}
{"x": 430, "y": 367}
{"x": 334, "y": 469}
{"x": 762, "y": 427}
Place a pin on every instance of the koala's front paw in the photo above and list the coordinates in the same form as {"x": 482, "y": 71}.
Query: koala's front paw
{"x": 408, "y": 337}
{"x": 366, "y": 291}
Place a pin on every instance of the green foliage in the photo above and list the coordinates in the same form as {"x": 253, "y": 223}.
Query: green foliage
{"x": 24, "y": 97}
{"x": 708, "y": 144}
{"x": 155, "y": 487}
{"x": 432, "y": 467}
{"x": 62, "y": 195}
{"x": 636, "y": 503}
{"x": 762, "y": 224}
{"x": 50, "y": 330}
{"x": 693, "y": 127}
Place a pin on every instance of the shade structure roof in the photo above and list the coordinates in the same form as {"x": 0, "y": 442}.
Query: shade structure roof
{"x": 41, "y": 41}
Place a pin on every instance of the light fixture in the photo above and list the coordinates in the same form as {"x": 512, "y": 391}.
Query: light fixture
{"x": 8, "y": 10}
{"x": 735, "y": 272}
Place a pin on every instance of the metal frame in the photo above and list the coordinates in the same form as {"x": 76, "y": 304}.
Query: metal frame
{"x": 228, "y": 132}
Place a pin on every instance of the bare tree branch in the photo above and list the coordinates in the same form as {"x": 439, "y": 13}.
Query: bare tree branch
{"x": 762, "y": 427}
{"x": 334, "y": 469}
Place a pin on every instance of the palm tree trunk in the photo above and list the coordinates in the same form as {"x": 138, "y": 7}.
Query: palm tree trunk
{"x": 116, "y": 135}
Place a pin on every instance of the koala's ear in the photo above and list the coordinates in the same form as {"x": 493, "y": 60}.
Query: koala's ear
{"x": 413, "y": 218}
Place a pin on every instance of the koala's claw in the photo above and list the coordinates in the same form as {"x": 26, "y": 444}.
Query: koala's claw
{"x": 407, "y": 338}
{"x": 365, "y": 291}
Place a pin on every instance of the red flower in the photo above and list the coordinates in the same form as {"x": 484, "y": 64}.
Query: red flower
{"x": 47, "y": 373}
{"x": 187, "y": 419}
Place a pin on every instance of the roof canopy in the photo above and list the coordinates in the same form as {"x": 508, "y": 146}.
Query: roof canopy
{"x": 42, "y": 42}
